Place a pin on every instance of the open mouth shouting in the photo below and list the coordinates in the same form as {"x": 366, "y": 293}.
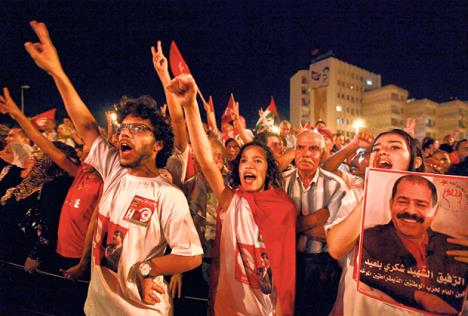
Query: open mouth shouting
{"x": 251, "y": 181}
{"x": 125, "y": 148}
{"x": 249, "y": 177}
{"x": 383, "y": 164}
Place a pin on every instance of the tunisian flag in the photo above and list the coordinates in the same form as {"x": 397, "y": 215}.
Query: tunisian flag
{"x": 210, "y": 104}
{"x": 40, "y": 120}
{"x": 227, "y": 114}
{"x": 275, "y": 215}
{"x": 177, "y": 62}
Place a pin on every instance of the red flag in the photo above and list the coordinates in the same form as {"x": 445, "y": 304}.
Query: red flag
{"x": 280, "y": 248}
{"x": 272, "y": 108}
{"x": 177, "y": 62}
{"x": 227, "y": 115}
{"x": 40, "y": 120}
{"x": 236, "y": 129}
{"x": 210, "y": 104}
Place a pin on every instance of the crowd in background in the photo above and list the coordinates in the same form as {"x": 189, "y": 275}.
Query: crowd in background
{"x": 49, "y": 196}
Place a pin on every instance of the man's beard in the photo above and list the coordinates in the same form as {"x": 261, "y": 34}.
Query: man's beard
{"x": 134, "y": 164}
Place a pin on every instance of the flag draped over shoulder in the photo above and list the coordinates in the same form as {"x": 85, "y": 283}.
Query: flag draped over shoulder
{"x": 177, "y": 62}
{"x": 271, "y": 115}
{"x": 41, "y": 119}
{"x": 275, "y": 215}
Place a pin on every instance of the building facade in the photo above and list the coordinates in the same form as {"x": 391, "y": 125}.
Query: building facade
{"x": 341, "y": 94}
{"x": 330, "y": 90}
{"x": 425, "y": 113}
{"x": 384, "y": 108}
{"x": 452, "y": 115}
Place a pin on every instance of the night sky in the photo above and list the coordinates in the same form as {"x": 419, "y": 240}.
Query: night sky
{"x": 250, "y": 48}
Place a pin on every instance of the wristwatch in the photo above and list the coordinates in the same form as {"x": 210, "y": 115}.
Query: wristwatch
{"x": 145, "y": 269}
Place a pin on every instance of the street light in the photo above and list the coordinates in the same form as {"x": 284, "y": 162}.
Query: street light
{"x": 23, "y": 87}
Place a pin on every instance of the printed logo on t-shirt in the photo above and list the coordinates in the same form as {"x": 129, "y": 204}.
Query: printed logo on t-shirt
{"x": 253, "y": 267}
{"x": 140, "y": 210}
{"x": 77, "y": 203}
{"x": 109, "y": 245}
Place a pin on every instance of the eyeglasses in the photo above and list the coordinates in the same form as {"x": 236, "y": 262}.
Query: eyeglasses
{"x": 134, "y": 128}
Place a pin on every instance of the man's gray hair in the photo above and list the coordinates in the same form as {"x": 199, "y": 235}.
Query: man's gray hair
{"x": 312, "y": 132}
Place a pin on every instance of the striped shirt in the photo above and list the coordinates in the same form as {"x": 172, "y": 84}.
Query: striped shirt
{"x": 325, "y": 191}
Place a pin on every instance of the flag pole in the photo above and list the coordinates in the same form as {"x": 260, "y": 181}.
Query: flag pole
{"x": 201, "y": 94}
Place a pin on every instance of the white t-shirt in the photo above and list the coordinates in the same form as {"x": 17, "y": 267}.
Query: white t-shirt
{"x": 138, "y": 218}
{"x": 245, "y": 285}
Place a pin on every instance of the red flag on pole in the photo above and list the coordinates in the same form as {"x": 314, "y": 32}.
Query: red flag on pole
{"x": 177, "y": 62}
{"x": 272, "y": 108}
{"x": 40, "y": 120}
{"x": 210, "y": 104}
{"x": 227, "y": 114}
{"x": 270, "y": 114}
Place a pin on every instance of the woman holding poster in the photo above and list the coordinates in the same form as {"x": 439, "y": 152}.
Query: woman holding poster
{"x": 394, "y": 149}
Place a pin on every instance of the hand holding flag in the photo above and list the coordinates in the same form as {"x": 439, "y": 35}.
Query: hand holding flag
{"x": 184, "y": 89}
{"x": 208, "y": 106}
{"x": 268, "y": 117}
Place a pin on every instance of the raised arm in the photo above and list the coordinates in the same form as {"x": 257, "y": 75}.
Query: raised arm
{"x": 46, "y": 57}
{"x": 246, "y": 138}
{"x": 363, "y": 139}
{"x": 175, "y": 110}
{"x": 286, "y": 158}
{"x": 7, "y": 105}
{"x": 184, "y": 88}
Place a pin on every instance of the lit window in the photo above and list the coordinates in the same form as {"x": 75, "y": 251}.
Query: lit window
{"x": 339, "y": 108}
{"x": 369, "y": 82}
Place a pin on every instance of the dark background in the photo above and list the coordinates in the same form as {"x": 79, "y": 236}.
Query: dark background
{"x": 250, "y": 48}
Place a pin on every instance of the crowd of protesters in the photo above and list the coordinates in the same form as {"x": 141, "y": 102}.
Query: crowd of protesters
{"x": 268, "y": 219}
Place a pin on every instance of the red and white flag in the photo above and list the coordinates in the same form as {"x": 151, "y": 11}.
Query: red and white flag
{"x": 40, "y": 120}
{"x": 227, "y": 114}
{"x": 210, "y": 104}
{"x": 177, "y": 62}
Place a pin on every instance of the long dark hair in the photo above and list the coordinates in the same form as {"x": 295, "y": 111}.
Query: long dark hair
{"x": 273, "y": 176}
{"x": 413, "y": 147}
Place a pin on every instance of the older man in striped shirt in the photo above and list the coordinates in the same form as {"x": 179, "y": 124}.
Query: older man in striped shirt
{"x": 317, "y": 194}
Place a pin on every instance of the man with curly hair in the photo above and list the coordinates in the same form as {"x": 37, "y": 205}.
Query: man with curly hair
{"x": 148, "y": 212}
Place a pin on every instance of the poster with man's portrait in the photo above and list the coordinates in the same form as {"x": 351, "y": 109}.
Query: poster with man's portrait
{"x": 411, "y": 224}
